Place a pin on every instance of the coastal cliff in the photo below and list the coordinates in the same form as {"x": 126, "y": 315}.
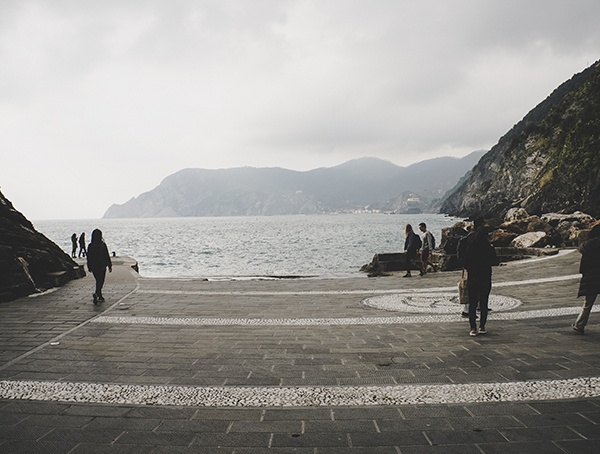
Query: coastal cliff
{"x": 29, "y": 262}
{"x": 548, "y": 162}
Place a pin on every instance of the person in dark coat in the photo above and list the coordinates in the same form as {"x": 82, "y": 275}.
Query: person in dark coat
{"x": 411, "y": 246}
{"x": 82, "y": 250}
{"x": 589, "y": 267}
{"x": 98, "y": 259}
{"x": 74, "y": 245}
{"x": 478, "y": 256}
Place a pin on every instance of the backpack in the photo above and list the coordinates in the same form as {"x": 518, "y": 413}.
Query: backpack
{"x": 418, "y": 242}
{"x": 431, "y": 240}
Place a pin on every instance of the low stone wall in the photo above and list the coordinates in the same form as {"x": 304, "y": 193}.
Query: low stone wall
{"x": 389, "y": 262}
{"x": 383, "y": 264}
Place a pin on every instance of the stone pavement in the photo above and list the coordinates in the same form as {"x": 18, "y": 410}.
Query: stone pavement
{"x": 363, "y": 365}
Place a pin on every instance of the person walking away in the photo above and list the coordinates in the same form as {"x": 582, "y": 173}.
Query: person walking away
{"x": 589, "y": 267}
{"x": 427, "y": 249}
{"x": 74, "y": 245}
{"x": 412, "y": 244}
{"x": 82, "y": 250}
{"x": 478, "y": 256}
{"x": 98, "y": 259}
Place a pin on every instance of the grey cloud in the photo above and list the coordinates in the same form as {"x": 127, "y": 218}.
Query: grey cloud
{"x": 284, "y": 83}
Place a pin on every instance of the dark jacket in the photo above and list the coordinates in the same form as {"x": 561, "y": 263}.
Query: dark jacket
{"x": 589, "y": 267}
{"x": 411, "y": 244}
{"x": 478, "y": 255}
{"x": 98, "y": 257}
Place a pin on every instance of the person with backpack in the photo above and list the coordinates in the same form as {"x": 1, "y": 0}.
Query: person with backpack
{"x": 478, "y": 256}
{"x": 412, "y": 244}
{"x": 427, "y": 248}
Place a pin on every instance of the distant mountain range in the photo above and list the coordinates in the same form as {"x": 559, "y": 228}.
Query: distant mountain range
{"x": 366, "y": 184}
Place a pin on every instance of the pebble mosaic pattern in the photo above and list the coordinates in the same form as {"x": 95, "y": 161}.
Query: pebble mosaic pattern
{"x": 207, "y": 321}
{"x": 300, "y": 396}
{"x": 438, "y": 303}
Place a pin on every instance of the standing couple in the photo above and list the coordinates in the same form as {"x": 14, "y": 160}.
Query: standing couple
{"x": 413, "y": 243}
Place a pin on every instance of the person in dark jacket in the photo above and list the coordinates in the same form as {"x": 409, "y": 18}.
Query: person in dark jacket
{"x": 478, "y": 256}
{"x": 589, "y": 267}
{"x": 74, "y": 245}
{"x": 411, "y": 246}
{"x": 98, "y": 259}
{"x": 82, "y": 250}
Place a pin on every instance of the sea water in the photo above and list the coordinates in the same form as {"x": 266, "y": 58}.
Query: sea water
{"x": 324, "y": 246}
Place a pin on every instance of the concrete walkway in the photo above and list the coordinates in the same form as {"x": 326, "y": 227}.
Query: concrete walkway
{"x": 364, "y": 365}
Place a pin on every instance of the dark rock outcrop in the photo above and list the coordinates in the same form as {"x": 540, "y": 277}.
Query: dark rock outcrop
{"x": 383, "y": 264}
{"x": 29, "y": 262}
{"x": 548, "y": 162}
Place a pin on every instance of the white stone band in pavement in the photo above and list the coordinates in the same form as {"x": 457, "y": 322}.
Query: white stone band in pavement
{"x": 200, "y": 396}
{"x": 410, "y": 319}
{"x": 543, "y": 280}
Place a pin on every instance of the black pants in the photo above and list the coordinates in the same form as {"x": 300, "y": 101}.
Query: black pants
{"x": 100, "y": 276}
{"x": 479, "y": 288}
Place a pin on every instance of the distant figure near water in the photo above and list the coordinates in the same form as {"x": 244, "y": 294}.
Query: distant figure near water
{"x": 589, "y": 267}
{"x": 82, "y": 250}
{"x": 427, "y": 249}
{"x": 98, "y": 259}
{"x": 411, "y": 245}
{"x": 74, "y": 245}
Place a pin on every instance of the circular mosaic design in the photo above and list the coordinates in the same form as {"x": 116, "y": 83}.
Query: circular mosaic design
{"x": 434, "y": 303}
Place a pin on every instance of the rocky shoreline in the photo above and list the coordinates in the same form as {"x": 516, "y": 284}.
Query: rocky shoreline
{"x": 517, "y": 236}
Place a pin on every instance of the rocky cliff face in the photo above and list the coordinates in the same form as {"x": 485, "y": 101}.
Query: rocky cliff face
{"x": 548, "y": 162}
{"x": 29, "y": 262}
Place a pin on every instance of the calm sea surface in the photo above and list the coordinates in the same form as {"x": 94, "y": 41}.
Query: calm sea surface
{"x": 324, "y": 246}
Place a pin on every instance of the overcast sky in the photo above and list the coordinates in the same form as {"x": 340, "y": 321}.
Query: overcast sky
{"x": 101, "y": 100}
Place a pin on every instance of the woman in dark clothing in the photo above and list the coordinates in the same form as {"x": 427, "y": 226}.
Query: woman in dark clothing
{"x": 411, "y": 246}
{"x": 82, "y": 245}
{"x": 98, "y": 259}
{"x": 589, "y": 267}
{"x": 74, "y": 245}
{"x": 478, "y": 257}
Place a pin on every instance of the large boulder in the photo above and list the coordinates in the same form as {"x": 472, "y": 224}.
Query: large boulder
{"x": 578, "y": 219}
{"x": 526, "y": 224}
{"x": 569, "y": 226}
{"x": 518, "y": 226}
{"x": 516, "y": 214}
{"x": 529, "y": 240}
{"x": 537, "y": 224}
{"x": 501, "y": 238}
{"x": 29, "y": 261}
{"x": 451, "y": 236}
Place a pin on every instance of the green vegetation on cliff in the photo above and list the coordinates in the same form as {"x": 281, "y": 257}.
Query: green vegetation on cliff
{"x": 549, "y": 161}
